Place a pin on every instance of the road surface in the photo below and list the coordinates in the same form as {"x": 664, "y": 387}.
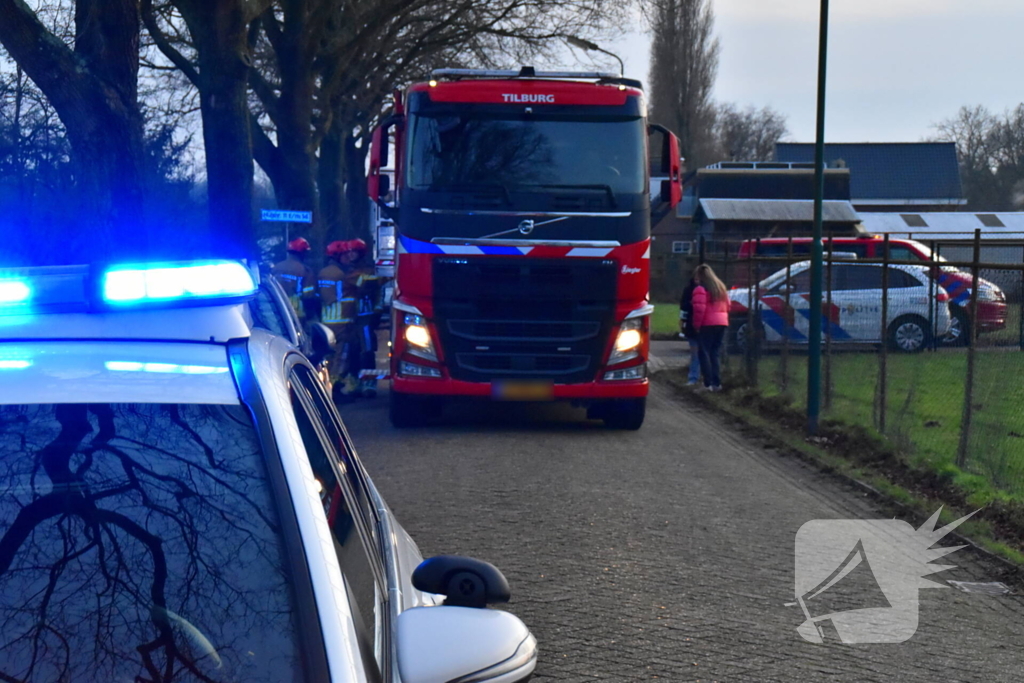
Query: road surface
{"x": 665, "y": 553}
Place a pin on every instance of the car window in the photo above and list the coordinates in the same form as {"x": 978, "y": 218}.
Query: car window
{"x": 266, "y": 313}
{"x": 332, "y": 422}
{"x": 851, "y": 277}
{"x": 861, "y": 250}
{"x": 799, "y": 281}
{"x": 898, "y": 253}
{"x": 356, "y": 555}
{"x": 901, "y": 278}
{"x": 140, "y": 542}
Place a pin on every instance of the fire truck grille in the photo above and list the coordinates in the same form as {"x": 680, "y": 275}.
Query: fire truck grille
{"x": 524, "y": 318}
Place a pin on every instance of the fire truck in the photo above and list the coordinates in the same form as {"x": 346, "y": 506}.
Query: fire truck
{"x": 522, "y": 205}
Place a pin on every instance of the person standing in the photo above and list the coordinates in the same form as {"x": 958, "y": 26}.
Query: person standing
{"x": 710, "y": 320}
{"x": 338, "y": 289}
{"x": 297, "y": 278}
{"x": 687, "y": 331}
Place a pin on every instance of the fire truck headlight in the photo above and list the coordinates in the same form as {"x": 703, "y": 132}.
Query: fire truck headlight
{"x": 628, "y": 341}
{"x": 417, "y": 336}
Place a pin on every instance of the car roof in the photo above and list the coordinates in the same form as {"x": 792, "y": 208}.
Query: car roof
{"x": 115, "y": 372}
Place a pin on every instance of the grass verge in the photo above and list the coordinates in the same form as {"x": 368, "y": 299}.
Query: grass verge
{"x": 874, "y": 463}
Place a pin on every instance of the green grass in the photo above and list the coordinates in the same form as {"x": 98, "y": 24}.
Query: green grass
{"x": 665, "y": 321}
{"x": 925, "y": 405}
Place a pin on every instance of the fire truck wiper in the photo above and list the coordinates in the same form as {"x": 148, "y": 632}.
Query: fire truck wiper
{"x": 606, "y": 188}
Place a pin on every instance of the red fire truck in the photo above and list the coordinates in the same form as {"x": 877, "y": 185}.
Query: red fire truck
{"x": 522, "y": 204}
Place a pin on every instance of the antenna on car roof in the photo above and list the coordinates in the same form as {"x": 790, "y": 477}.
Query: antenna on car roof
{"x": 527, "y": 72}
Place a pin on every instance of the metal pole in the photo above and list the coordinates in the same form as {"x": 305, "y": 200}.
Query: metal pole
{"x": 972, "y": 341}
{"x": 814, "y": 333}
{"x": 883, "y": 358}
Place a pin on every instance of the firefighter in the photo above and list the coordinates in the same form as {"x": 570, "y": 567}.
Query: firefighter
{"x": 297, "y": 279}
{"x": 369, "y": 308}
{"x": 338, "y": 284}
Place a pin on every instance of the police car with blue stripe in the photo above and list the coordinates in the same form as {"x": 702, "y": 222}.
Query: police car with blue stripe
{"x": 180, "y": 501}
{"x": 917, "y": 313}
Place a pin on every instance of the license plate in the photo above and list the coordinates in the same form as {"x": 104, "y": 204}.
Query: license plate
{"x": 523, "y": 391}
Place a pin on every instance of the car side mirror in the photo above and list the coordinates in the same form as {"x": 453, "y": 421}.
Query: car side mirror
{"x": 322, "y": 341}
{"x": 461, "y": 644}
{"x": 464, "y": 581}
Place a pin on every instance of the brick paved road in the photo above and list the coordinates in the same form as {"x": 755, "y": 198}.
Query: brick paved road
{"x": 665, "y": 553}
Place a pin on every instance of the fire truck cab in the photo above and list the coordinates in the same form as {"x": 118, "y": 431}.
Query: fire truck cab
{"x": 522, "y": 212}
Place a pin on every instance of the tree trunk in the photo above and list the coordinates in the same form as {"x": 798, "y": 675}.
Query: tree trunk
{"x": 219, "y": 31}
{"x": 331, "y": 182}
{"x": 94, "y": 90}
{"x": 357, "y": 201}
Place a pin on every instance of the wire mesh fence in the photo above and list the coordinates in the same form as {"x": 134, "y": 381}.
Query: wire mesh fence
{"x": 921, "y": 341}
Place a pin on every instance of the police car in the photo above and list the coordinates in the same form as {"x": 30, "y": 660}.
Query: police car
{"x": 918, "y": 311}
{"x": 180, "y": 501}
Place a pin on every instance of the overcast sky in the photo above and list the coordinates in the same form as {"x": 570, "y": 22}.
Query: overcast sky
{"x": 895, "y": 66}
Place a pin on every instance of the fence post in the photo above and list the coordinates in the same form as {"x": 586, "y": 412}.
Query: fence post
{"x": 883, "y": 358}
{"x": 748, "y": 342}
{"x": 828, "y": 325}
{"x": 933, "y": 294}
{"x": 787, "y": 310}
{"x": 972, "y": 342}
{"x": 1020, "y": 294}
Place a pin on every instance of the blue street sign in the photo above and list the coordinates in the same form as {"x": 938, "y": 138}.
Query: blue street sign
{"x": 287, "y": 216}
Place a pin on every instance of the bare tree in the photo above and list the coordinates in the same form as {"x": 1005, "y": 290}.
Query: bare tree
{"x": 991, "y": 153}
{"x": 91, "y": 80}
{"x": 684, "y": 63}
{"x": 748, "y": 134}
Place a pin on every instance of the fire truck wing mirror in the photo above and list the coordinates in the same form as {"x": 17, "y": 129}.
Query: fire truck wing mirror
{"x": 378, "y": 184}
{"x": 666, "y": 163}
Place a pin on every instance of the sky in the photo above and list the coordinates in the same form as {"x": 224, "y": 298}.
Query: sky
{"x": 895, "y": 67}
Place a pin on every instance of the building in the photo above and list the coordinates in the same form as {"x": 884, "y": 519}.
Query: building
{"x": 890, "y": 176}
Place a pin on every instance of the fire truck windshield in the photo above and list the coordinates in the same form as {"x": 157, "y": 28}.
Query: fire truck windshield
{"x": 451, "y": 153}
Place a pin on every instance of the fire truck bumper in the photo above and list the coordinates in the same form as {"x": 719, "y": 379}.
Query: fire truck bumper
{"x": 612, "y": 389}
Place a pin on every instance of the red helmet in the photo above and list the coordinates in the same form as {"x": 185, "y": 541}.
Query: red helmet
{"x": 299, "y": 245}
{"x": 357, "y": 245}
{"x": 337, "y": 248}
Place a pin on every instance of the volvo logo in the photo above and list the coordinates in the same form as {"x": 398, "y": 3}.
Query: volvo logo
{"x": 526, "y": 227}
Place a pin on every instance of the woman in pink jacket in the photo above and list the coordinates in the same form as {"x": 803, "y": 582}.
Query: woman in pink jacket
{"x": 711, "y": 320}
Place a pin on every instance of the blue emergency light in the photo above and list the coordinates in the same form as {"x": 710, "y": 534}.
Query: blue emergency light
{"x": 65, "y": 289}
{"x": 174, "y": 282}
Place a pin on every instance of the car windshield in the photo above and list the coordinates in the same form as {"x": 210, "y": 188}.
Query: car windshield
{"x": 455, "y": 153}
{"x": 139, "y": 542}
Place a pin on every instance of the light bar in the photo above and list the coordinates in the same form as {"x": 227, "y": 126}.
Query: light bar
{"x": 135, "y": 366}
{"x": 14, "y": 292}
{"x": 508, "y": 73}
{"x": 168, "y": 282}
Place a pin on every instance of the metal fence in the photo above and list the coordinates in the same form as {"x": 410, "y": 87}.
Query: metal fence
{"x": 928, "y": 352}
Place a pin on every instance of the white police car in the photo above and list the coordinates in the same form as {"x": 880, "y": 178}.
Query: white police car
{"x": 918, "y": 311}
{"x": 179, "y": 501}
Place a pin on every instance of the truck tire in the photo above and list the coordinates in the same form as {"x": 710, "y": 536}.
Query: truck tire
{"x": 627, "y": 414}
{"x": 411, "y": 410}
{"x": 909, "y": 334}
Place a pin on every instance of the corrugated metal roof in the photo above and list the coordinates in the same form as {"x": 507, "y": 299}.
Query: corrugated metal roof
{"x": 949, "y": 225}
{"x": 777, "y": 210}
{"x": 920, "y": 171}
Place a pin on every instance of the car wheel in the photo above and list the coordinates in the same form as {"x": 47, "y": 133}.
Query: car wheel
{"x": 627, "y": 414}
{"x": 959, "y": 328}
{"x": 410, "y": 410}
{"x": 909, "y": 334}
{"x": 741, "y": 336}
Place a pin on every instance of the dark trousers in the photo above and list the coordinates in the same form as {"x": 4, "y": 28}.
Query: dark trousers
{"x": 711, "y": 337}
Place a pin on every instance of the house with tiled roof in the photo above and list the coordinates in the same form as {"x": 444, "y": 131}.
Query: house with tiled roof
{"x": 890, "y": 176}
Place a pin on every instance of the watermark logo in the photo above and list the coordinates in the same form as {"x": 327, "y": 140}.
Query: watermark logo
{"x": 858, "y": 580}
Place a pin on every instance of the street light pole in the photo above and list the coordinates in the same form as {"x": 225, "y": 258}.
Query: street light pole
{"x": 594, "y": 47}
{"x": 814, "y": 334}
